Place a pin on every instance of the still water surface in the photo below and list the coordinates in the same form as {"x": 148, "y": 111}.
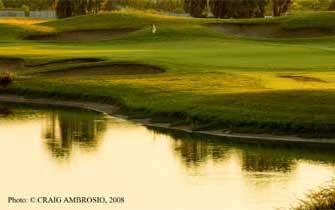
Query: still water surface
{"x": 72, "y": 152}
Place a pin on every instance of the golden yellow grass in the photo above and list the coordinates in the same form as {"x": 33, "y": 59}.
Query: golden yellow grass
{"x": 22, "y": 21}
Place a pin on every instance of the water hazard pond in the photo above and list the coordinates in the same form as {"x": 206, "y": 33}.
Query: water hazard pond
{"x": 48, "y": 151}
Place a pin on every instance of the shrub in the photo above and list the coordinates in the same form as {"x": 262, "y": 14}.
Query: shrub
{"x": 322, "y": 199}
{"x": 6, "y": 78}
{"x": 26, "y": 10}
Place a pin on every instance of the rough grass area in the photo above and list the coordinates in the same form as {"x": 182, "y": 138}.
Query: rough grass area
{"x": 210, "y": 80}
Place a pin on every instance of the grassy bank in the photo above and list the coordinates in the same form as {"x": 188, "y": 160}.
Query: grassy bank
{"x": 211, "y": 80}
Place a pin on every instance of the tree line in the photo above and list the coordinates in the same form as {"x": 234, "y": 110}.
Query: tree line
{"x": 31, "y": 4}
{"x": 236, "y": 8}
{"x": 160, "y": 5}
{"x": 66, "y": 8}
{"x": 196, "y": 8}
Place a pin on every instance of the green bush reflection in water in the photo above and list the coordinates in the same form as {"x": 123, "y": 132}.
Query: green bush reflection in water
{"x": 64, "y": 129}
{"x": 67, "y": 129}
{"x": 266, "y": 174}
{"x": 263, "y": 157}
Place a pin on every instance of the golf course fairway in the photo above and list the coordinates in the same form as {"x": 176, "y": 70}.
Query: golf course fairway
{"x": 189, "y": 73}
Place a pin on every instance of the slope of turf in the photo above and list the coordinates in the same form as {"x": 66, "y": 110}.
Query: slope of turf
{"x": 211, "y": 80}
{"x": 322, "y": 20}
{"x": 117, "y": 20}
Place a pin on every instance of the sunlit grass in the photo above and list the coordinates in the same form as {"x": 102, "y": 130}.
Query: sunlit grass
{"x": 21, "y": 21}
{"x": 215, "y": 81}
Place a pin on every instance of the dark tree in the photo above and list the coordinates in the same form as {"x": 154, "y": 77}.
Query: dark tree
{"x": 79, "y": 7}
{"x": 64, "y": 9}
{"x": 280, "y": 6}
{"x": 94, "y": 6}
{"x": 161, "y": 5}
{"x": 110, "y": 5}
{"x": 238, "y": 8}
{"x": 332, "y": 5}
{"x": 67, "y": 8}
{"x": 195, "y": 7}
{"x": 220, "y": 9}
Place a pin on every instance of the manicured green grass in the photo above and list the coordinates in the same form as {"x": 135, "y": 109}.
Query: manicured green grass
{"x": 118, "y": 20}
{"x": 212, "y": 80}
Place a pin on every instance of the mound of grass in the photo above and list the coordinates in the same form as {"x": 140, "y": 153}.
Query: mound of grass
{"x": 117, "y": 20}
{"x": 13, "y": 29}
{"x": 137, "y": 20}
{"x": 303, "y": 20}
{"x": 18, "y": 29}
{"x": 321, "y": 20}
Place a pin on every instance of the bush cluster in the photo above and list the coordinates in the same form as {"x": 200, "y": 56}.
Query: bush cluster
{"x": 6, "y": 78}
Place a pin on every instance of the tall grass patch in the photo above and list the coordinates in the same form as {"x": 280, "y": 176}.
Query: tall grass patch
{"x": 323, "y": 199}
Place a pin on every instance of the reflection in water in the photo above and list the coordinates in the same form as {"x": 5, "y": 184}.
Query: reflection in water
{"x": 196, "y": 150}
{"x": 149, "y": 165}
{"x": 266, "y": 162}
{"x": 5, "y": 111}
{"x": 63, "y": 129}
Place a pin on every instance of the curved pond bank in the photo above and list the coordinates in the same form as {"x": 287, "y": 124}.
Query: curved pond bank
{"x": 112, "y": 110}
{"x": 62, "y": 151}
